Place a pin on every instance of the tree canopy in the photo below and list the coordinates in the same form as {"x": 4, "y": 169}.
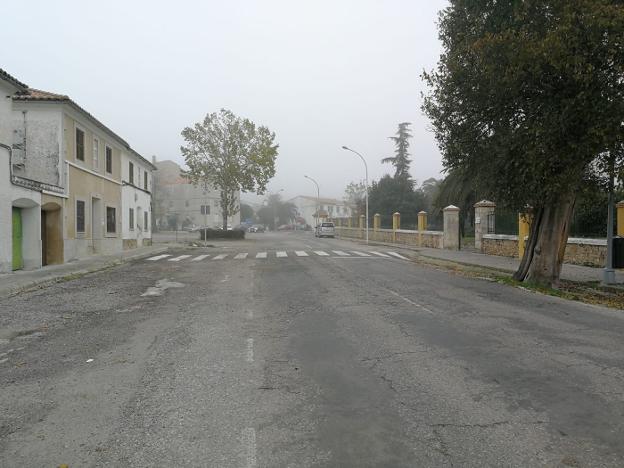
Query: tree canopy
{"x": 527, "y": 100}
{"x": 231, "y": 154}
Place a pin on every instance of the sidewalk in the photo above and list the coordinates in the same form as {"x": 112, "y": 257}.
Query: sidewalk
{"x": 568, "y": 272}
{"x": 12, "y": 283}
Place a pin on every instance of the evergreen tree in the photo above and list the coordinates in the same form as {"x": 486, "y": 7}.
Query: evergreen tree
{"x": 401, "y": 160}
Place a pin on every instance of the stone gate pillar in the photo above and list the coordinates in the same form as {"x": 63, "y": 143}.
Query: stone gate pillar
{"x": 483, "y": 209}
{"x": 376, "y": 222}
{"x": 396, "y": 221}
{"x": 451, "y": 228}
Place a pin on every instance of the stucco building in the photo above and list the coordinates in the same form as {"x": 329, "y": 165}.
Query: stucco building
{"x": 328, "y": 208}
{"x": 66, "y": 182}
{"x": 179, "y": 204}
{"x": 136, "y": 199}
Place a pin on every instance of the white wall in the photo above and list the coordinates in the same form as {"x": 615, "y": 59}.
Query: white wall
{"x": 136, "y": 198}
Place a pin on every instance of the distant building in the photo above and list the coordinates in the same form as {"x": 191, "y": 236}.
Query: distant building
{"x": 328, "y": 208}
{"x": 179, "y": 204}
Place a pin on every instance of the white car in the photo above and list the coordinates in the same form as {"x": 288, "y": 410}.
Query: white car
{"x": 325, "y": 230}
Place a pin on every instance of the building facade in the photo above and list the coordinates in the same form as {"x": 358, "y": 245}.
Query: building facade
{"x": 328, "y": 208}
{"x": 136, "y": 200}
{"x": 65, "y": 175}
{"x": 32, "y": 187}
{"x": 180, "y": 204}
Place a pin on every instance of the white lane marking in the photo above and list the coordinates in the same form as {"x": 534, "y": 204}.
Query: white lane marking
{"x": 261, "y": 255}
{"x": 409, "y": 301}
{"x": 321, "y": 253}
{"x": 301, "y": 253}
{"x": 341, "y": 253}
{"x": 248, "y": 439}
{"x": 158, "y": 257}
{"x": 226, "y": 279}
{"x": 199, "y": 258}
{"x": 381, "y": 254}
{"x": 361, "y": 254}
{"x": 397, "y": 255}
{"x": 177, "y": 259}
{"x": 240, "y": 256}
{"x": 220, "y": 257}
{"x": 250, "y": 350}
{"x": 281, "y": 254}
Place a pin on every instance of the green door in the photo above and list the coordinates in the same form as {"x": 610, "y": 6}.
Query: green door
{"x": 18, "y": 262}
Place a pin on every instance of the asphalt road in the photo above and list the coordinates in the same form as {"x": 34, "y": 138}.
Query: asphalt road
{"x": 302, "y": 359}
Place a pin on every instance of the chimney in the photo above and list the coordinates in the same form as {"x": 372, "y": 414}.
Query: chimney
{"x": 154, "y": 159}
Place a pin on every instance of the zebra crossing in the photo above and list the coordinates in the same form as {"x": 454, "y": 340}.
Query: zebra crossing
{"x": 279, "y": 254}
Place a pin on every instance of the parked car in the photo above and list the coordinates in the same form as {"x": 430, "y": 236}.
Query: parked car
{"x": 286, "y": 227}
{"x": 256, "y": 228}
{"x": 325, "y": 230}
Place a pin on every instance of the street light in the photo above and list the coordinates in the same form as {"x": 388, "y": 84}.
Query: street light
{"x": 275, "y": 210}
{"x": 366, "y": 169}
{"x": 318, "y": 197}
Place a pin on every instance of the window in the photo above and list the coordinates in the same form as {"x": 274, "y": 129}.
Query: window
{"x": 205, "y": 209}
{"x": 111, "y": 220}
{"x": 131, "y": 218}
{"x": 109, "y": 160}
{"x": 491, "y": 228}
{"x": 80, "y": 216}
{"x": 145, "y": 180}
{"x": 145, "y": 221}
{"x": 131, "y": 172}
{"x": 96, "y": 154}
{"x": 80, "y": 144}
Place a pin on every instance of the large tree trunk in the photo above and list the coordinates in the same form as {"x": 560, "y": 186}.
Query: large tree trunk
{"x": 543, "y": 255}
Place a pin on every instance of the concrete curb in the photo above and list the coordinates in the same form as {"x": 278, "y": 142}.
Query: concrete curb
{"x": 61, "y": 276}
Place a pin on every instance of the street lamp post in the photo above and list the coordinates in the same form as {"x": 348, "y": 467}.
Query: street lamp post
{"x": 275, "y": 210}
{"x": 366, "y": 169}
{"x": 318, "y": 197}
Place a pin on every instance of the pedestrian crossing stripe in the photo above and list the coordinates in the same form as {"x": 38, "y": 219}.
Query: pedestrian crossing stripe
{"x": 159, "y": 257}
{"x": 199, "y": 258}
{"x": 177, "y": 259}
{"x": 398, "y": 255}
{"x": 280, "y": 254}
{"x": 381, "y": 254}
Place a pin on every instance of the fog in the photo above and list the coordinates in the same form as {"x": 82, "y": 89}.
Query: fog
{"x": 319, "y": 74}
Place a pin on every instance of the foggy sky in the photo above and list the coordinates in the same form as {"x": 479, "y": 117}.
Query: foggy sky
{"x": 320, "y": 74}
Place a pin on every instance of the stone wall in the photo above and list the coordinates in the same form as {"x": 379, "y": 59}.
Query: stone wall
{"x": 587, "y": 252}
{"x": 432, "y": 239}
{"x": 499, "y": 244}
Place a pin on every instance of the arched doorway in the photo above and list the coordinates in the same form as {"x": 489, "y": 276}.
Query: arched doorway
{"x": 51, "y": 234}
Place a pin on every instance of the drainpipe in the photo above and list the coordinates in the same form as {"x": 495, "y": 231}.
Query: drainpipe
{"x": 10, "y": 150}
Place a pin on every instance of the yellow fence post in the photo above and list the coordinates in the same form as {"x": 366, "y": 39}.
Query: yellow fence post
{"x": 620, "y": 218}
{"x": 396, "y": 224}
{"x": 422, "y": 226}
{"x": 524, "y": 228}
{"x": 362, "y": 223}
{"x": 349, "y": 222}
{"x": 376, "y": 222}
